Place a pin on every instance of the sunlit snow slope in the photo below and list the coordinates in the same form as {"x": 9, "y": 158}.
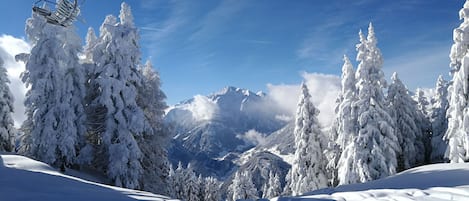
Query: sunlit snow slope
{"x": 439, "y": 182}
{"x": 22, "y": 178}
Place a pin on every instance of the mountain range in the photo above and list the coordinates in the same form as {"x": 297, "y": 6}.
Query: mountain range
{"x": 212, "y": 132}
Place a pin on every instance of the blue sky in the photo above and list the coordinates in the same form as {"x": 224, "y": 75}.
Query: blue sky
{"x": 201, "y": 46}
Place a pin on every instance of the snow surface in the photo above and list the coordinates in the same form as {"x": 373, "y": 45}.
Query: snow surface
{"x": 437, "y": 182}
{"x": 22, "y": 178}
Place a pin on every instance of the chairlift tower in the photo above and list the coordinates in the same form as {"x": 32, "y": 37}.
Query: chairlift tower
{"x": 65, "y": 13}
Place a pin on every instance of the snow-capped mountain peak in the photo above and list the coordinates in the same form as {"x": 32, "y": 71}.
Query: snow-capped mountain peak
{"x": 230, "y": 120}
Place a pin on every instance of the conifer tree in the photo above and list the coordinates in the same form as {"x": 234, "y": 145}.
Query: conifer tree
{"x": 7, "y": 130}
{"x": 242, "y": 187}
{"x": 54, "y": 128}
{"x": 117, "y": 119}
{"x": 438, "y": 120}
{"x": 344, "y": 128}
{"x": 212, "y": 189}
{"x": 91, "y": 40}
{"x": 422, "y": 102}
{"x": 308, "y": 168}
{"x": 273, "y": 187}
{"x": 423, "y": 121}
{"x": 372, "y": 153}
{"x": 288, "y": 183}
{"x": 177, "y": 178}
{"x": 457, "y": 133}
{"x": 191, "y": 185}
{"x": 405, "y": 113}
{"x": 155, "y": 137}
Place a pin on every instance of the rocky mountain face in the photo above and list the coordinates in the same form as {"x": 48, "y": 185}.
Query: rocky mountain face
{"x": 212, "y": 131}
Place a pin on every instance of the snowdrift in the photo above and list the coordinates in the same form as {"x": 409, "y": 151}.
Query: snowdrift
{"x": 438, "y": 182}
{"x": 22, "y": 178}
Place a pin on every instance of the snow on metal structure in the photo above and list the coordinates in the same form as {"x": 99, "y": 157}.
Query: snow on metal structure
{"x": 65, "y": 13}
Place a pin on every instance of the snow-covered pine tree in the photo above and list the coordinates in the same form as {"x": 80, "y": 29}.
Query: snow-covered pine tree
{"x": 242, "y": 187}
{"x": 117, "y": 119}
{"x": 184, "y": 184}
{"x": 91, "y": 40}
{"x": 7, "y": 129}
{"x": 155, "y": 138}
{"x": 309, "y": 165}
{"x": 344, "y": 126}
{"x": 438, "y": 120}
{"x": 87, "y": 153}
{"x": 177, "y": 178}
{"x": 423, "y": 120}
{"x": 346, "y": 117}
{"x": 202, "y": 186}
{"x": 72, "y": 127}
{"x": 457, "y": 133}
{"x": 422, "y": 102}
{"x": 372, "y": 154}
{"x": 287, "y": 188}
{"x": 212, "y": 189}
{"x": 191, "y": 185}
{"x": 404, "y": 111}
{"x": 54, "y": 127}
{"x": 274, "y": 188}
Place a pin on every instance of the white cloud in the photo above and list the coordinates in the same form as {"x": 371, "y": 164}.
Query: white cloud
{"x": 9, "y": 47}
{"x": 202, "y": 108}
{"x": 323, "y": 88}
{"x": 253, "y": 137}
{"x": 285, "y": 97}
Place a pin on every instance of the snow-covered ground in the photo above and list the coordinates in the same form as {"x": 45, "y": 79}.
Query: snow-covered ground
{"x": 438, "y": 182}
{"x": 22, "y": 178}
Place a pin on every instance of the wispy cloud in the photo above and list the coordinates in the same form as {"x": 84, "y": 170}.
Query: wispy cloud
{"x": 420, "y": 67}
{"x": 154, "y": 32}
{"x": 149, "y": 4}
{"x": 214, "y": 21}
{"x": 258, "y": 42}
{"x": 332, "y": 36}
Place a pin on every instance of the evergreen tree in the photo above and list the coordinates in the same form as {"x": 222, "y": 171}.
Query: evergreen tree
{"x": 242, "y": 187}
{"x": 344, "y": 127}
{"x": 423, "y": 119}
{"x": 54, "y": 127}
{"x": 288, "y": 183}
{"x": 422, "y": 102}
{"x": 177, "y": 178}
{"x": 202, "y": 186}
{"x": 372, "y": 154}
{"x": 91, "y": 40}
{"x": 212, "y": 189}
{"x": 308, "y": 168}
{"x": 186, "y": 185}
{"x": 117, "y": 120}
{"x": 438, "y": 120}
{"x": 155, "y": 136}
{"x": 73, "y": 117}
{"x": 191, "y": 185}
{"x": 403, "y": 109}
{"x": 7, "y": 129}
{"x": 274, "y": 187}
{"x": 91, "y": 138}
{"x": 457, "y": 133}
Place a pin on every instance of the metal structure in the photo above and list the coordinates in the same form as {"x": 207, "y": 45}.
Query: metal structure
{"x": 65, "y": 13}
